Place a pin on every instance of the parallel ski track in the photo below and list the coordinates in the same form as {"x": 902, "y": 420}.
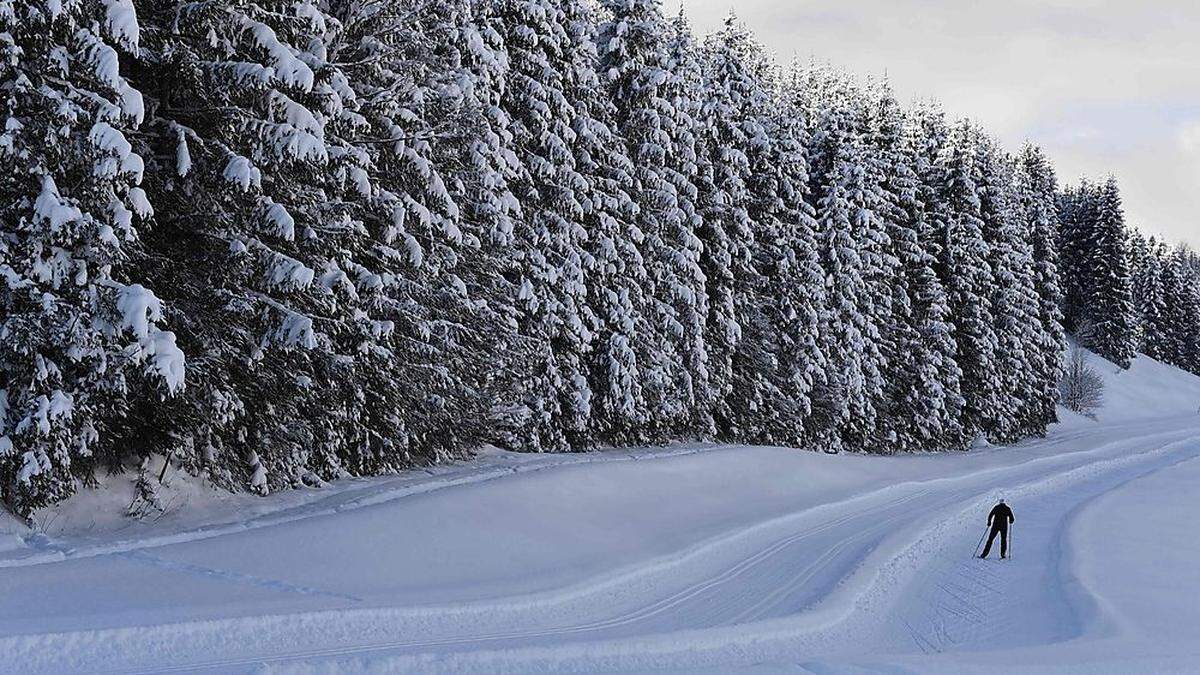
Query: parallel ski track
{"x": 760, "y": 607}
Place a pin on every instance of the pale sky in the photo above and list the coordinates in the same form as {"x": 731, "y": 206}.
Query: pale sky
{"x": 1104, "y": 86}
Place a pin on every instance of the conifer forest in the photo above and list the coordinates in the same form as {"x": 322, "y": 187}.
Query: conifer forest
{"x": 284, "y": 241}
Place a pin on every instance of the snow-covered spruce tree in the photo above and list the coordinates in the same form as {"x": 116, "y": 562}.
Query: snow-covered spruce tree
{"x": 1095, "y": 271}
{"x": 880, "y": 265}
{"x": 485, "y": 166}
{"x": 922, "y": 378}
{"x": 1179, "y": 343}
{"x": 790, "y": 298}
{"x": 1014, "y": 299}
{"x": 617, "y": 279}
{"x": 1190, "y": 272}
{"x": 965, "y": 270}
{"x": 1191, "y": 276}
{"x": 549, "y": 243}
{"x": 1149, "y": 297}
{"x": 929, "y": 135}
{"x": 758, "y": 409}
{"x": 77, "y": 341}
{"x": 645, "y": 62}
{"x": 727, "y": 233}
{"x": 852, "y": 239}
{"x": 775, "y": 358}
{"x": 423, "y": 271}
{"x": 687, "y": 66}
{"x": 1109, "y": 302}
{"x": 489, "y": 163}
{"x": 1075, "y": 209}
{"x": 1038, "y": 190}
{"x": 261, "y": 243}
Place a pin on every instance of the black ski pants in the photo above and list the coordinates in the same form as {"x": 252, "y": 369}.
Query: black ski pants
{"x": 1002, "y": 530}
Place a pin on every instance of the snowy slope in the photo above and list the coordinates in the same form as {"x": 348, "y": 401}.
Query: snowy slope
{"x": 687, "y": 558}
{"x": 1148, "y": 389}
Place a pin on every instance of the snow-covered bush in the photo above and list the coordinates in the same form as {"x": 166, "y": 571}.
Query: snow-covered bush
{"x": 146, "y": 501}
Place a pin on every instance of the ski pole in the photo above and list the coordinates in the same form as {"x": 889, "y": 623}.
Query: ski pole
{"x": 1012, "y": 527}
{"x": 979, "y": 543}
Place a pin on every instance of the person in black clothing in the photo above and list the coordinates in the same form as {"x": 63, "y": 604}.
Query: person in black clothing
{"x": 998, "y": 520}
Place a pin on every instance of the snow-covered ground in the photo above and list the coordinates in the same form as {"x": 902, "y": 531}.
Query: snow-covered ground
{"x": 683, "y": 559}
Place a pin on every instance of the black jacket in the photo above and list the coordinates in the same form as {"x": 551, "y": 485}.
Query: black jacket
{"x": 1001, "y": 516}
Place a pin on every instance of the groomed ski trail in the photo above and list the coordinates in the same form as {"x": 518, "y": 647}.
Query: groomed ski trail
{"x": 814, "y": 582}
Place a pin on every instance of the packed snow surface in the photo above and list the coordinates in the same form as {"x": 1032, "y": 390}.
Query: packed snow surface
{"x": 685, "y": 559}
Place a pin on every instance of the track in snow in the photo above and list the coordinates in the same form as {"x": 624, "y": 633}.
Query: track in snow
{"x": 888, "y": 569}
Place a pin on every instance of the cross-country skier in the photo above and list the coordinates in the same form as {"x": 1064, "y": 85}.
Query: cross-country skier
{"x": 998, "y": 520}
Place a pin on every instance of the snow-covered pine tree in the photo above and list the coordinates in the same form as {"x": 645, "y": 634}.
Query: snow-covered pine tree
{"x": 1189, "y": 265}
{"x": 1098, "y": 304}
{"x": 75, "y": 336}
{"x": 790, "y": 299}
{"x": 549, "y": 242}
{"x": 485, "y": 167}
{"x": 694, "y": 180}
{"x": 880, "y": 265}
{"x": 965, "y": 270}
{"x": 851, "y": 239}
{"x": 644, "y": 62}
{"x": 1074, "y": 209}
{"x": 727, "y": 232}
{"x": 928, "y": 136}
{"x": 1179, "y": 341}
{"x": 778, "y": 291}
{"x": 416, "y": 117}
{"x": 1111, "y": 325}
{"x": 1038, "y": 189}
{"x": 1014, "y": 300}
{"x": 1191, "y": 277}
{"x": 922, "y": 379}
{"x": 259, "y": 241}
{"x": 487, "y": 162}
{"x": 1149, "y": 298}
{"x": 617, "y": 278}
